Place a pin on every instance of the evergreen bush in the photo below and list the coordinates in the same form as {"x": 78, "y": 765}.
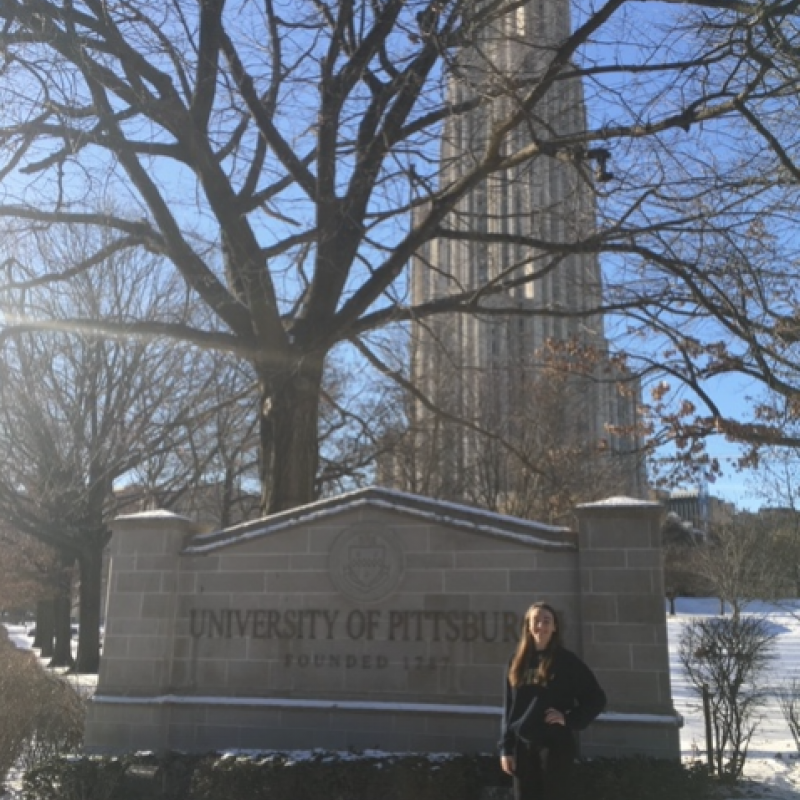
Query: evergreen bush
{"x": 42, "y": 713}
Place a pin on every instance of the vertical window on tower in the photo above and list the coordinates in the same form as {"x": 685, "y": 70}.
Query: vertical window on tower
{"x": 482, "y": 270}
{"x": 520, "y": 19}
{"x": 528, "y": 288}
{"x": 504, "y": 189}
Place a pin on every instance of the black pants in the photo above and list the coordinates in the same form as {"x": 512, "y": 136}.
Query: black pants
{"x": 544, "y": 772}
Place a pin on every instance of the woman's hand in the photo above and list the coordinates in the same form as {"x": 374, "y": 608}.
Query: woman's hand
{"x": 507, "y": 764}
{"x": 554, "y": 717}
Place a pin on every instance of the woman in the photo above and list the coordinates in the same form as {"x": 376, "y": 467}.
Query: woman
{"x": 550, "y": 693}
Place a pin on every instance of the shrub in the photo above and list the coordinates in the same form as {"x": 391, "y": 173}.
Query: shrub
{"x": 726, "y": 656}
{"x": 341, "y": 776}
{"x": 638, "y": 778}
{"x": 42, "y": 713}
{"x": 789, "y": 702}
{"x": 338, "y": 777}
{"x": 142, "y": 776}
{"x": 78, "y": 779}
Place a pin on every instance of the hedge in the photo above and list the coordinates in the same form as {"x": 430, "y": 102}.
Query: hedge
{"x": 323, "y": 775}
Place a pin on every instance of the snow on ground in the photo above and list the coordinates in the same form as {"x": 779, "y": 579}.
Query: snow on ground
{"x": 772, "y": 770}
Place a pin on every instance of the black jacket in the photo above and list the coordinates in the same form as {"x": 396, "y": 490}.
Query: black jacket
{"x": 572, "y": 689}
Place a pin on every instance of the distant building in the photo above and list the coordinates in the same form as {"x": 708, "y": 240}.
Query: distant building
{"x": 213, "y": 505}
{"x": 699, "y": 509}
{"x": 481, "y": 373}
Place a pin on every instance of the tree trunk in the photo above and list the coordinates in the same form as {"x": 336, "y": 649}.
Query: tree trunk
{"x": 90, "y": 563}
{"x": 226, "y": 516}
{"x": 45, "y": 627}
{"x": 289, "y": 440}
{"x": 62, "y": 651}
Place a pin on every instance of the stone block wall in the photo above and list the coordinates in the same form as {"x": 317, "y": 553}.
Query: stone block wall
{"x": 375, "y": 620}
{"x": 623, "y": 626}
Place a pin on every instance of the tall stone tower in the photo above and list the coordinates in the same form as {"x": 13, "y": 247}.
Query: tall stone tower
{"x": 521, "y": 388}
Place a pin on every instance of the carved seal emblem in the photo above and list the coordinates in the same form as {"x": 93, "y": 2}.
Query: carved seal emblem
{"x": 366, "y": 562}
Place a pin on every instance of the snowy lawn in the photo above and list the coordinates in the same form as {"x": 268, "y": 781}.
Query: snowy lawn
{"x": 772, "y": 771}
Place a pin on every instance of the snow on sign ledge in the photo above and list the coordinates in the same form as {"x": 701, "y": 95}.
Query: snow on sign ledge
{"x": 297, "y": 703}
{"x": 157, "y": 514}
{"x": 670, "y": 720}
{"x": 467, "y": 518}
{"x": 621, "y": 501}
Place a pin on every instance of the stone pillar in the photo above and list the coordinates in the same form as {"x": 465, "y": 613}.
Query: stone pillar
{"x": 138, "y": 642}
{"x": 624, "y": 628}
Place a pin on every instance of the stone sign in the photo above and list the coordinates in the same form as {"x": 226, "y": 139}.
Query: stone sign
{"x": 376, "y": 619}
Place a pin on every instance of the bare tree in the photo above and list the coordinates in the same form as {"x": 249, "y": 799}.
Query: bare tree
{"x": 34, "y": 576}
{"x": 537, "y": 460}
{"x": 78, "y": 412}
{"x": 779, "y": 482}
{"x": 273, "y": 155}
{"x": 26, "y": 568}
{"x": 789, "y": 704}
{"x": 352, "y": 425}
{"x": 681, "y": 542}
{"x": 726, "y": 657}
{"x": 206, "y": 466}
{"x": 738, "y": 563}
{"x": 209, "y": 468}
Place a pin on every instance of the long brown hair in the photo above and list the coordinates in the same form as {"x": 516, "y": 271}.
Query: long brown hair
{"x": 526, "y": 646}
